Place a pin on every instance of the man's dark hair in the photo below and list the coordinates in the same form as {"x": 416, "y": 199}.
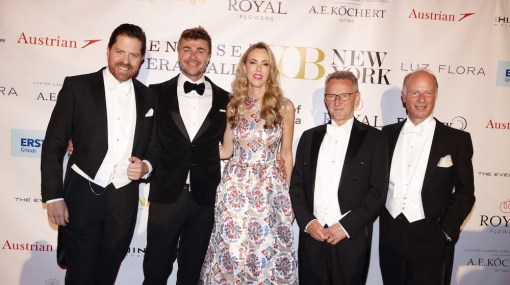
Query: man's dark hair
{"x": 130, "y": 30}
{"x": 198, "y": 33}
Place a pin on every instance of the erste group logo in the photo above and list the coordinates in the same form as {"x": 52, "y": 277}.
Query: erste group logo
{"x": 26, "y": 143}
{"x": 503, "y": 77}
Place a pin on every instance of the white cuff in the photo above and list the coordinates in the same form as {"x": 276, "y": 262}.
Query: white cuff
{"x": 54, "y": 200}
{"x": 346, "y": 233}
{"x": 306, "y": 228}
{"x": 149, "y": 165}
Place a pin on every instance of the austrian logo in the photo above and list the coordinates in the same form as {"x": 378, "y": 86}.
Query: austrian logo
{"x": 53, "y": 41}
{"x": 438, "y": 16}
{"x": 11, "y": 245}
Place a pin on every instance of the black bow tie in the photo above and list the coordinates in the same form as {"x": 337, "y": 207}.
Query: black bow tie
{"x": 199, "y": 88}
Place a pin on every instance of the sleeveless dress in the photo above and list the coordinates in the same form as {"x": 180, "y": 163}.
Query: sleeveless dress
{"x": 252, "y": 239}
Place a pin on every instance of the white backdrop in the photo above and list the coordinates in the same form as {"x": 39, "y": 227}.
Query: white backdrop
{"x": 465, "y": 43}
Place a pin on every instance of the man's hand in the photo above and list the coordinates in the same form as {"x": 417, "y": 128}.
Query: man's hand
{"x": 57, "y": 213}
{"x": 335, "y": 233}
{"x": 136, "y": 168}
{"x": 70, "y": 147}
{"x": 316, "y": 230}
{"x": 281, "y": 165}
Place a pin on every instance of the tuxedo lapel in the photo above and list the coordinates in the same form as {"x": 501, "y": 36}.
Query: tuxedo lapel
{"x": 214, "y": 111}
{"x": 437, "y": 150}
{"x": 140, "y": 108}
{"x": 358, "y": 133}
{"x": 173, "y": 107}
{"x": 393, "y": 134}
{"x": 318, "y": 137}
{"x": 98, "y": 94}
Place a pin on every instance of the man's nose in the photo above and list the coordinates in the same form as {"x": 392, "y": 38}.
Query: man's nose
{"x": 125, "y": 59}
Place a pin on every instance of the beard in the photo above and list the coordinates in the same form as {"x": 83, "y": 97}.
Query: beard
{"x": 122, "y": 72}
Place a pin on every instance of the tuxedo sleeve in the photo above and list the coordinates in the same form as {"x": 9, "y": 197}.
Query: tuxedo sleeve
{"x": 151, "y": 153}
{"x": 54, "y": 146}
{"x": 463, "y": 197}
{"x": 298, "y": 182}
{"x": 363, "y": 214}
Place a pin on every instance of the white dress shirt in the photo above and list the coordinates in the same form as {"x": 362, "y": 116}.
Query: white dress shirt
{"x": 192, "y": 106}
{"x": 121, "y": 120}
{"x": 326, "y": 207}
{"x": 408, "y": 168}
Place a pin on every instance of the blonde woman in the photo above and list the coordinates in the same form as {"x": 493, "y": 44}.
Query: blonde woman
{"x": 252, "y": 239}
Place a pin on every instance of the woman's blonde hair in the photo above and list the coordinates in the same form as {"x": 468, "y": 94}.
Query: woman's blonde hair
{"x": 273, "y": 98}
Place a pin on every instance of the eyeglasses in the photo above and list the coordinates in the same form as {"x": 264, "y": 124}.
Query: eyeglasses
{"x": 342, "y": 96}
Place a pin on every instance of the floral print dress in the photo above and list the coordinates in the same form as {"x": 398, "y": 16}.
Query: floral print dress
{"x": 252, "y": 239}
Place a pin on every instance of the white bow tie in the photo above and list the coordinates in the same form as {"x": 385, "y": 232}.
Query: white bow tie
{"x": 342, "y": 130}
{"x": 410, "y": 128}
{"x": 122, "y": 88}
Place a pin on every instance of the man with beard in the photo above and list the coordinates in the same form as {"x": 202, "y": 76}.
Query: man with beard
{"x": 191, "y": 123}
{"x": 109, "y": 116}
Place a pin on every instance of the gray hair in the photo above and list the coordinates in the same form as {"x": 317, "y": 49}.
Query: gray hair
{"x": 343, "y": 74}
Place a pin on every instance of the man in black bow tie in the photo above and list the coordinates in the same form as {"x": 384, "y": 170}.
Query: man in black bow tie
{"x": 199, "y": 88}
{"x": 191, "y": 124}
{"x": 337, "y": 187}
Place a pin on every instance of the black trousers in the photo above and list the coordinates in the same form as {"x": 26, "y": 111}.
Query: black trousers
{"x": 100, "y": 229}
{"x": 180, "y": 230}
{"x": 345, "y": 263}
{"x": 411, "y": 253}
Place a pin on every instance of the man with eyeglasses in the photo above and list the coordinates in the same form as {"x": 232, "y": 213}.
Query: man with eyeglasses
{"x": 338, "y": 185}
{"x": 423, "y": 214}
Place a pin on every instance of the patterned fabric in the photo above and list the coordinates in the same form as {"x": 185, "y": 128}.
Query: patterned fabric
{"x": 252, "y": 240}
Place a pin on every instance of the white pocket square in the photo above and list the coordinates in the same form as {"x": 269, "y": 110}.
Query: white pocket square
{"x": 222, "y": 110}
{"x": 445, "y": 161}
{"x": 150, "y": 113}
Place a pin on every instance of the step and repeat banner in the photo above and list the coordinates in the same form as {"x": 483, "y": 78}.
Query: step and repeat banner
{"x": 466, "y": 44}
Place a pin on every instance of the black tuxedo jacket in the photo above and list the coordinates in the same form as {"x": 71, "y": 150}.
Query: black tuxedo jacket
{"x": 363, "y": 181}
{"x": 80, "y": 113}
{"x": 178, "y": 154}
{"x": 440, "y": 203}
